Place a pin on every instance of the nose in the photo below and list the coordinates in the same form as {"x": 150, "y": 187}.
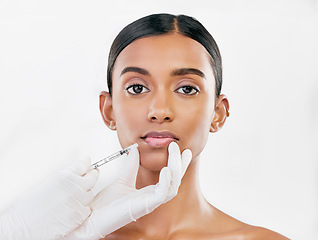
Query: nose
{"x": 160, "y": 109}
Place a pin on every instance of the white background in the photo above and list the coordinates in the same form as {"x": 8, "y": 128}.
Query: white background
{"x": 261, "y": 167}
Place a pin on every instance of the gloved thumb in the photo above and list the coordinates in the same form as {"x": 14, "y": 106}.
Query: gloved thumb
{"x": 129, "y": 172}
{"x": 81, "y": 166}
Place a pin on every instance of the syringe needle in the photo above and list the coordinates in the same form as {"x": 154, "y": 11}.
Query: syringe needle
{"x": 113, "y": 156}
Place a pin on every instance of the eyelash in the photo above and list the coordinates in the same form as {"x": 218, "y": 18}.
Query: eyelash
{"x": 191, "y": 87}
{"x": 135, "y": 85}
{"x": 132, "y": 87}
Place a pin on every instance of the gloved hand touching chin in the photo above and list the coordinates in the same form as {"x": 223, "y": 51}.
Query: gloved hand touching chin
{"x": 65, "y": 208}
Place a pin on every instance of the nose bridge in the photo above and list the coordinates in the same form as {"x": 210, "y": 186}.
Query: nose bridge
{"x": 161, "y": 109}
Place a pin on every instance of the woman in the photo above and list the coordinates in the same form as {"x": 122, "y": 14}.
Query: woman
{"x": 164, "y": 80}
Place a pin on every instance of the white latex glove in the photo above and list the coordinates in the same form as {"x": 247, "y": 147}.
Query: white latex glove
{"x": 121, "y": 203}
{"x": 54, "y": 209}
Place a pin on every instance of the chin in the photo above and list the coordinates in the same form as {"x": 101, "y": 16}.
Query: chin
{"x": 154, "y": 159}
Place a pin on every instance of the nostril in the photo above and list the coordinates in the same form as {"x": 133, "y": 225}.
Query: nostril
{"x": 153, "y": 118}
{"x": 167, "y": 118}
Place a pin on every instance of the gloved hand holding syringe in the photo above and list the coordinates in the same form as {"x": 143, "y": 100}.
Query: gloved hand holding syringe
{"x": 65, "y": 207}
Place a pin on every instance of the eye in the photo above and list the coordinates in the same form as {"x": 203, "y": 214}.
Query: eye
{"x": 188, "y": 90}
{"x": 136, "y": 89}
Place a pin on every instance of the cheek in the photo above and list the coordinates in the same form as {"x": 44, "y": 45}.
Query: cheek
{"x": 197, "y": 127}
{"x": 128, "y": 120}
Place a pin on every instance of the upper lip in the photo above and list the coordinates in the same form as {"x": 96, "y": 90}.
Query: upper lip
{"x": 160, "y": 134}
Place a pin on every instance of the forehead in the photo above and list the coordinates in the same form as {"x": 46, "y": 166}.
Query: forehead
{"x": 164, "y": 52}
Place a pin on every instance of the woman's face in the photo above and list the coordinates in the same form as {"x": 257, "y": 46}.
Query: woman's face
{"x": 163, "y": 91}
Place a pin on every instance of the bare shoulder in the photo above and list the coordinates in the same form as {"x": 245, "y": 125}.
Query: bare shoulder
{"x": 225, "y": 227}
{"x": 236, "y": 229}
{"x": 246, "y": 233}
{"x": 253, "y": 232}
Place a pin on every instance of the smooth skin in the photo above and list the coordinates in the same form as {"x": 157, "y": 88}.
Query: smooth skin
{"x": 166, "y": 83}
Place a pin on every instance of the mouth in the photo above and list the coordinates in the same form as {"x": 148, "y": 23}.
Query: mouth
{"x": 159, "y": 139}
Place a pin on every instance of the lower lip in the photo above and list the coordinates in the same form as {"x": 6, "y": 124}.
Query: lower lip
{"x": 158, "y": 142}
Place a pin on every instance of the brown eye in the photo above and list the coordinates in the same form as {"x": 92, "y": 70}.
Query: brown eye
{"x": 188, "y": 90}
{"x": 136, "y": 89}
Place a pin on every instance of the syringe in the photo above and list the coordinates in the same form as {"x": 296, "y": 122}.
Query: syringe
{"x": 113, "y": 156}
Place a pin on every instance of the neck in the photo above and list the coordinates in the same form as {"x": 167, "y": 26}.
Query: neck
{"x": 181, "y": 211}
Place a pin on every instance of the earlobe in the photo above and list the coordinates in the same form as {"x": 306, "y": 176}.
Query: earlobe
{"x": 112, "y": 125}
{"x": 106, "y": 110}
{"x": 221, "y": 113}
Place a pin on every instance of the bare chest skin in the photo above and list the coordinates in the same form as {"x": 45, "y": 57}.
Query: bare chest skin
{"x": 218, "y": 227}
{"x": 190, "y": 216}
{"x": 247, "y": 233}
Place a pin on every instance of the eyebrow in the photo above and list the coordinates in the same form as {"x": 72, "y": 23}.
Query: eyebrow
{"x": 136, "y": 70}
{"x": 185, "y": 71}
{"x": 176, "y": 72}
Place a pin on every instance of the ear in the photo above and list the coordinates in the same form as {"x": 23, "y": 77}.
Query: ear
{"x": 221, "y": 112}
{"x": 106, "y": 109}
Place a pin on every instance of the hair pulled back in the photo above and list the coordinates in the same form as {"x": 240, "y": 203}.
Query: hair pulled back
{"x": 158, "y": 24}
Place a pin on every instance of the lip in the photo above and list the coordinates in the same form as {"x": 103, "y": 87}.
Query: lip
{"x": 159, "y": 139}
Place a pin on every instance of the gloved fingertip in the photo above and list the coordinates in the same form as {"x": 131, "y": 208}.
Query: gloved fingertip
{"x": 90, "y": 179}
{"x": 85, "y": 160}
{"x": 186, "y": 157}
{"x": 133, "y": 152}
{"x": 84, "y": 165}
{"x": 92, "y": 173}
{"x": 130, "y": 169}
{"x": 133, "y": 158}
{"x": 174, "y": 156}
{"x": 187, "y": 153}
{"x": 81, "y": 166}
{"x": 173, "y": 147}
